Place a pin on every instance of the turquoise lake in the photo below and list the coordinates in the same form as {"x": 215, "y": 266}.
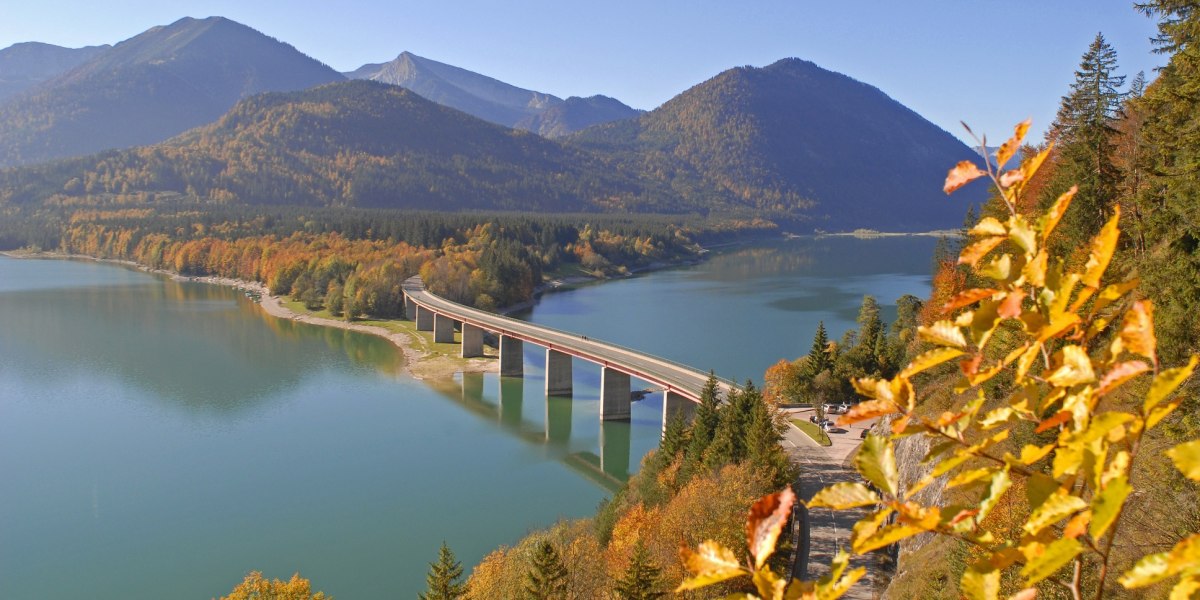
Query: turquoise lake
{"x": 159, "y": 439}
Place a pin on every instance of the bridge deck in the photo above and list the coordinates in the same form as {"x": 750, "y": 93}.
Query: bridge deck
{"x": 672, "y": 376}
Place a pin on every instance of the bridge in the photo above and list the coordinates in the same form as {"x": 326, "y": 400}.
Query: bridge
{"x": 681, "y": 384}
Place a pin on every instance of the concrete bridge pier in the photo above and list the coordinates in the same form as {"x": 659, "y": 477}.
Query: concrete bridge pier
{"x": 410, "y": 308}
{"x": 424, "y": 319}
{"x": 512, "y": 357}
{"x": 558, "y": 373}
{"x": 614, "y": 395}
{"x": 472, "y": 341}
{"x": 675, "y": 404}
{"x": 443, "y": 329}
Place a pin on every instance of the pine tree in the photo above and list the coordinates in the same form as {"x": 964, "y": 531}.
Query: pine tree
{"x": 870, "y": 326}
{"x": 729, "y": 439}
{"x": 444, "y": 580}
{"x": 763, "y": 437}
{"x": 1170, "y": 197}
{"x": 704, "y": 427}
{"x": 674, "y": 440}
{"x": 642, "y": 579}
{"x": 818, "y": 355}
{"x": 546, "y": 578}
{"x": 1084, "y": 133}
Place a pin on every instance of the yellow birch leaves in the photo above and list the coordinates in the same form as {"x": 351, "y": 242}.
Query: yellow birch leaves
{"x": 1060, "y": 358}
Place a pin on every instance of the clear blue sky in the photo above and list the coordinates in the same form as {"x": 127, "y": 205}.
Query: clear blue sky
{"x": 986, "y": 62}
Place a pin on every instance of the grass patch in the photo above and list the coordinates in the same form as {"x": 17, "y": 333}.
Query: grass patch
{"x": 814, "y": 432}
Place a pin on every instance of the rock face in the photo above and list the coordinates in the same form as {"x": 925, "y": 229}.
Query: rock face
{"x": 27, "y": 64}
{"x": 151, "y": 87}
{"x": 797, "y": 139}
{"x": 493, "y": 100}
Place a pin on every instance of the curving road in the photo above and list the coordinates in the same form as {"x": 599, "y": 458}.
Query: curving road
{"x": 672, "y": 376}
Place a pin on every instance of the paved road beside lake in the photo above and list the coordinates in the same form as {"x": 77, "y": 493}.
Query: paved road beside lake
{"x": 820, "y": 466}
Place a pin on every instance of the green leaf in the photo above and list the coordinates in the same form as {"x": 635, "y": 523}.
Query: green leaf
{"x": 1187, "y": 459}
{"x": 1166, "y": 382}
{"x": 841, "y": 496}
{"x": 1107, "y": 505}
{"x": 981, "y": 581}
{"x": 1054, "y": 557}
{"x": 876, "y": 461}
{"x": 1053, "y": 509}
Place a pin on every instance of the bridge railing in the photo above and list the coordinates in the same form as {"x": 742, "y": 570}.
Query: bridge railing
{"x": 416, "y": 282}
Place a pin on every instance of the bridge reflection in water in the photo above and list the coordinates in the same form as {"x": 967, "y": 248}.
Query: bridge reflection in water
{"x": 606, "y": 455}
{"x": 527, "y": 348}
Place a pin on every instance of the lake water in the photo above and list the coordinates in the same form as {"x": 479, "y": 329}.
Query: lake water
{"x": 158, "y": 439}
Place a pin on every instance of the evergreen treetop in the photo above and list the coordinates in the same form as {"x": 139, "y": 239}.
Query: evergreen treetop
{"x": 444, "y": 579}
{"x": 546, "y": 578}
{"x": 642, "y": 579}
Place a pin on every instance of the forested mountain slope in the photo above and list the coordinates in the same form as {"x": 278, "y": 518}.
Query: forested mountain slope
{"x": 355, "y": 143}
{"x": 796, "y": 139}
{"x": 151, "y": 87}
{"x": 27, "y": 64}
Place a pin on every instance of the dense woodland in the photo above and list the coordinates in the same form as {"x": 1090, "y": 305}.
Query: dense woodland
{"x": 353, "y": 261}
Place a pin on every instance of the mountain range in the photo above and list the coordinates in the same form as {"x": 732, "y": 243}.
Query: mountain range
{"x": 493, "y": 100}
{"x": 355, "y": 143}
{"x": 789, "y": 141}
{"x": 794, "y": 138}
{"x": 150, "y": 87}
{"x": 27, "y": 64}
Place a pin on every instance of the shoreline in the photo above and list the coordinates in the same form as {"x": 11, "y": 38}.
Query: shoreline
{"x": 418, "y": 363}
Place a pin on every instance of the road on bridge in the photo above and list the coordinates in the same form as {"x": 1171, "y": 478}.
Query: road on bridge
{"x": 672, "y": 376}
